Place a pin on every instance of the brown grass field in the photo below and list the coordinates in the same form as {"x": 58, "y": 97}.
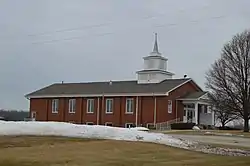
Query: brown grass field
{"x": 56, "y": 151}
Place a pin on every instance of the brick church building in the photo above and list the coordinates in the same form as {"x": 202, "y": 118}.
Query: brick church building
{"x": 155, "y": 97}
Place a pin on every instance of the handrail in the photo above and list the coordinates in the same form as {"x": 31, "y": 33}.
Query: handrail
{"x": 166, "y": 125}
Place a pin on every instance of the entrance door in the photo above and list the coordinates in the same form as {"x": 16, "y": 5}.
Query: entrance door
{"x": 190, "y": 115}
{"x": 33, "y": 115}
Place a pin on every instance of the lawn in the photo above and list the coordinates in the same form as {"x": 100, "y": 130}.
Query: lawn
{"x": 56, "y": 151}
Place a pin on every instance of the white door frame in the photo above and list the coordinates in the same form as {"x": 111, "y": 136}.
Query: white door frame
{"x": 193, "y": 110}
{"x": 33, "y": 115}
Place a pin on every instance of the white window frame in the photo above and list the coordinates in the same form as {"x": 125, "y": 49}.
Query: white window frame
{"x": 150, "y": 124}
{"x": 72, "y": 105}
{"x": 55, "y": 106}
{"x": 170, "y": 106}
{"x": 128, "y": 124}
{"x": 89, "y": 123}
{"x": 90, "y": 106}
{"x": 129, "y": 105}
{"x": 106, "y": 124}
{"x": 109, "y": 107}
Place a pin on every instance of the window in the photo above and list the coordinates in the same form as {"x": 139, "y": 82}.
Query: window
{"x": 169, "y": 106}
{"x": 109, "y": 106}
{"x": 129, "y": 125}
{"x": 162, "y": 65}
{"x": 89, "y": 123}
{"x": 108, "y": 124}
{"x": 150, "y": 126}
{"x": 72, "y": 105}
{"x": 129, "y": 105}
{"x": 55, "y": 104}
{"x": 90, "y": 106}
{"x": 204, "y": 109}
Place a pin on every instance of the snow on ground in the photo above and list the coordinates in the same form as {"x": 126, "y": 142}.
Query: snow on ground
{"x": 140, "y": 128}
{"x": 105, "y": 132}
{"x": 87, "y": 131}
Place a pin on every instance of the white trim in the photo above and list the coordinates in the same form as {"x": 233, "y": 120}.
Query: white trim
{"x": 202, "y": 102}
{"x": 54, "y": 106}
{"x": 196, "y": 112}
{"x": 197, "y": 85}
{"x": 132, "y": 105}
{"x": 193, "y": 110}
{"x": 149, "y": 71}
{"x": 190, "y": 79}
{"x": 96, "y": 95}
{"x": 112, "y": 105}
{"x": 189, "y": 99}
{"x": 170, "y": 107}
{"x": 92, "y": 107}
{"x": 149, "y": 124}
{"x": 89, "y": 123}
{"x": 176, "y": 87}
{"x": 202, "y": 96}
{"x": 108, "y": 123}
{"x": 32, "y": 114}
{"x": 193, "y": 99}
{"x": 128, "y": 124}
{"x": 72, "y": 106}
{"x": 155, "y": 57}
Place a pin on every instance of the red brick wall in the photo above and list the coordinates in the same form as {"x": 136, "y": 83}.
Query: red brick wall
{"x": 182, "y": 90}
{"x": 43, "y": 107}
{"x": 40, "y": 107}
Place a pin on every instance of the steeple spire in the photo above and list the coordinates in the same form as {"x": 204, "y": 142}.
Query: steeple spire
{"x": 155, "y": 49}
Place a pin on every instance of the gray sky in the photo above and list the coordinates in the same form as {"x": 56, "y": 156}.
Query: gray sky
{"x": 47, "y": 41}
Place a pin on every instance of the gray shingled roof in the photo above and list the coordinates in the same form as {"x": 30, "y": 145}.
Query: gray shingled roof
{"x": 193, "y": 95}
{"x": 105, "y": 87}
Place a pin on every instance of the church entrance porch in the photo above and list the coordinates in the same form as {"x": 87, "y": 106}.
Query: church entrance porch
{"x": 197, "y": 109}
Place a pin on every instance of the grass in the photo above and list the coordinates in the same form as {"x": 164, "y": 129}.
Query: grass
{"x": 56, "y": 151}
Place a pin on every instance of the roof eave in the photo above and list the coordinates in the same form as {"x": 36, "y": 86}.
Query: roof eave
{"x": 97, "y": 95}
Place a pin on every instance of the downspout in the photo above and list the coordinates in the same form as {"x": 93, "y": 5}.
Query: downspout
{"x": 176, "y": 109}
{"x": 98, "y": 111}
{"x": 64, "y": 109}
{"x": 47, "y": 107}
{"x": 136, "y": 112}
{"x": 81, "y": 110}
{"x": 154, "y": 109}
{"x": 102, "y": 110}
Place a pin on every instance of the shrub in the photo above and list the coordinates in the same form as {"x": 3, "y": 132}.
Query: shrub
{"x": 182, "y": 126}
{"x": 228, "y": 128}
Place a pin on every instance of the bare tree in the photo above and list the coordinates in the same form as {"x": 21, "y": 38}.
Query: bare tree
{"x": 224, "y": 114}
{"x": 229, "y": 76}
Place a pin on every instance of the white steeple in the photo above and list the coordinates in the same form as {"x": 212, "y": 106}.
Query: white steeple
{"x": 155, "y": 67}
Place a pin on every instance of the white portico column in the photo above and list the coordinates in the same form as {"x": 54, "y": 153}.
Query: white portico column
{"x": 213, "y": 117}
{"x": 196, "y": 112}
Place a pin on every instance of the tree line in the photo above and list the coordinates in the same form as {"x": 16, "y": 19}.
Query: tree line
{"x": 13, "y": 115}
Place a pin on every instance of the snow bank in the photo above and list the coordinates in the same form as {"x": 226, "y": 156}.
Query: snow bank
{"x": 140, "y": 128}
{"x": 86, "y": 131}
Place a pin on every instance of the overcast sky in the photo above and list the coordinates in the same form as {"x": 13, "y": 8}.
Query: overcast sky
{"x": 47, "y": 41}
